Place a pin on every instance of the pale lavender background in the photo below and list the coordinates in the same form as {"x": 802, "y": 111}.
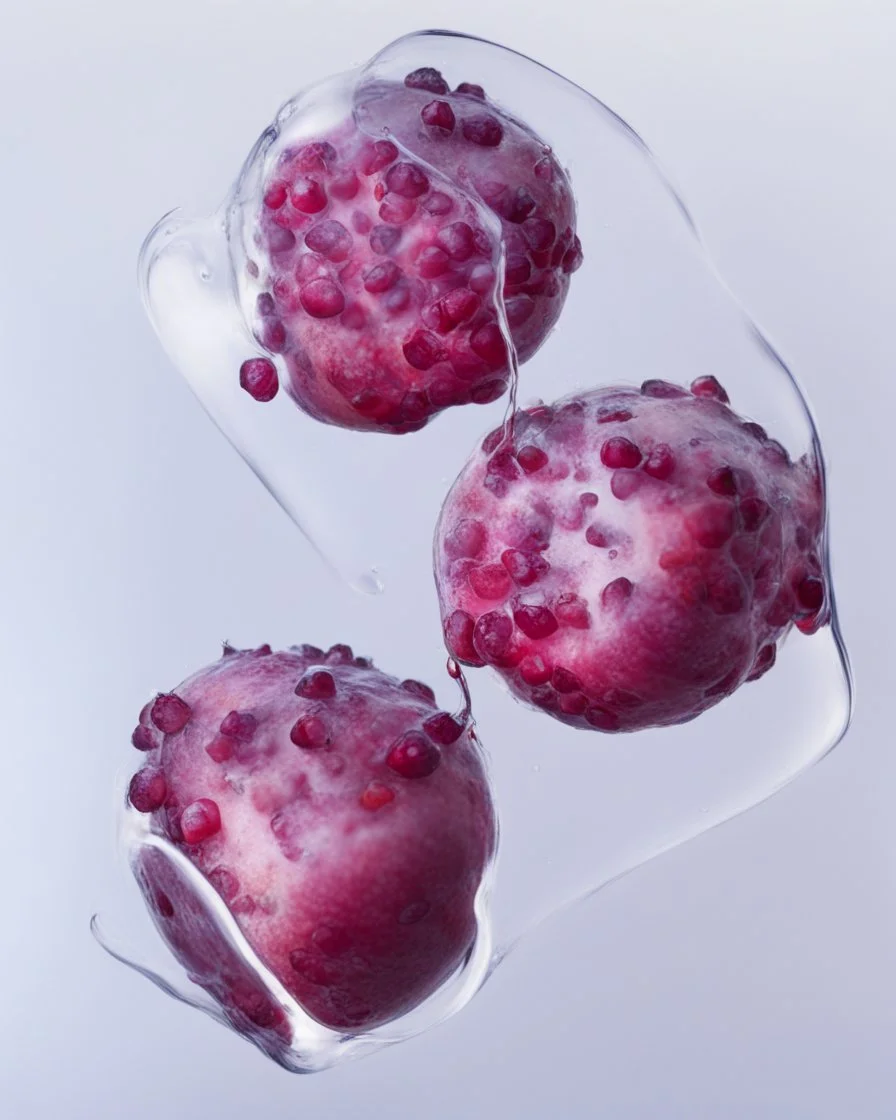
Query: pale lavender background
{"x": 750, "y": 974}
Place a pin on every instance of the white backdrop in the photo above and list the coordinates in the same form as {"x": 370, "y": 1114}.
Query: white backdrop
{"x": 751, "y": 973}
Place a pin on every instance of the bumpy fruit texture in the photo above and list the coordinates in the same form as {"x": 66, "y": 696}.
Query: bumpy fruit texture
{"x": 378, "y": 270}
{"x": 342, "y": 818}
{"x": 627, "y": 559}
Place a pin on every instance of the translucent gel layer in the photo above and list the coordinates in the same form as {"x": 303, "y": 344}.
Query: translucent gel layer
{"x": 576, "y": 808}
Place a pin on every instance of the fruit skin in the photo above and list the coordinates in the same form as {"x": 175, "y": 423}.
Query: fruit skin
{"x": 629, "y": 558}
{"x": 353, "y": 882}
{"x": 376, "y": 259}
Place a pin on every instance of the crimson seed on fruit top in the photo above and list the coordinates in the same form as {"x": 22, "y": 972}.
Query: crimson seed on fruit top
{"x": 299, "y": 783}
{"x": 376, "y": 261}
{"x": 628, "y": 558}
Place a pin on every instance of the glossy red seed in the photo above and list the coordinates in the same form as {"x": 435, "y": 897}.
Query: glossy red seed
{"x": 722, "y": 481}
{"x": 318, "y": 685}
{"x": 169, "y": 713}
{"x": 710, "y": 388}
{"x": 322, "y": 298}
{"x": 147, "y": 790}
{"x": 310, "y": 733}
{"x": 483, "y": 130}
{"x": 459, "y": 630}
{"x": 423, "y": 350}
{"x": 531, "y": 458}
{"x": 565, "y": 681}
{"x": 535, "y": 622}
{"x": 572, "y": 610}
{"x": 490, "y": 581}
{"x": 427, "y": 78}
{"x": 810, "y": 593}
{"x": 221, "y": 748}
{"x": 524, "y": 568}
{"x": 660, "y": 462}
{"x": 331, "y": 239}
{"x": 438, "y": 114}
{"x": 619, "y": 452}
{"x": 200, "y": 820}
{"x": 381, "y": 277}
{"x": 407, "y": 180}
{"x": 239, "y": 725}
{"x": 414, "y": 756}
{"x": 534, "y": 670}
{"x": 308, "y": 196}
{"x": 143, "y": 739}
{"x": 378, "y": 156}
{"x": 443, "y": 728}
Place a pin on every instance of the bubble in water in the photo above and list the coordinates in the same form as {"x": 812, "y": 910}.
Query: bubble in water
{"x": 624, "y": 558}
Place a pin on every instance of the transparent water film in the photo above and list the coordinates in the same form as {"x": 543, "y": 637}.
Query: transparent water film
{"x": 452, "y": 295}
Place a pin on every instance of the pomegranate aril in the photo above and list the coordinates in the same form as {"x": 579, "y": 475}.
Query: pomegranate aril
{"x": 308, "y": 196}
{"x": 438, "y": 114}
{"x": 459, "y": 631}
{"x": 376, "y": 796}
{"x": 318, "y": 685}
{"x": 524, "y": 568}
{"x": 414, "y": 756}
{"x": 483, "y": 129}
{"x": 427, "y": 78}
{"x": 147, "y": 790}
{"x": 490, "y": 581}
{"x": 710, "y": 388}
{"x": 378, "y": 156}
{"x": 331, "y": 239}
{"x": 322, "y": 298}
{"x": 239, "y": 725}
{"x": 535, "y": 622}
{"x": 310, "y": 733}
{"x": 443, "y": 728}
{"x": 200, "y": 820}
{"x": 620, "y": 452}
{"x": 169, "y": 713}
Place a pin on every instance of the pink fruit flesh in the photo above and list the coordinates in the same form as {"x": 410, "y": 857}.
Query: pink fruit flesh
{"x": 377, "y": 269}
{"x": 627, "y": 559}
{"x": 344, "y": 820}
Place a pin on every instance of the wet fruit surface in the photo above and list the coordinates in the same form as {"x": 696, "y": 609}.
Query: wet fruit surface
{"x": 342, "y": 818}
{"x": 379, "y": 258}
{"x": 628, "y": 558}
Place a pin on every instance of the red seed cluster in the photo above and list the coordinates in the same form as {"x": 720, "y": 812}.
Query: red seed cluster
{"x": 377, "y": 260}
{"x": 627, "y": 558}
{"x": 325, "y": 801}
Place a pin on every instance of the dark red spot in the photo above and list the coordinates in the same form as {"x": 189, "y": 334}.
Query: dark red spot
{"x": 470, "y": 89}
{"x": 319, "y": 685}
{"x": 147, "y": 790}
{"x": 169, "y": 713}
{"x": 344, "y": 186}
{"x": 418, "y": 688}
{"x": 573, "y": 257}
{"x": 163, "y": 905}
{"x": 428, "y": 78}
{"x": 414, "y": 756}
{"x": 489, "y": 344}
{"x": 376, "y": 796}
{"x": 340, "y": 654}
{"x": 200, "y": 820}
{"x": 407, "y": 180}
